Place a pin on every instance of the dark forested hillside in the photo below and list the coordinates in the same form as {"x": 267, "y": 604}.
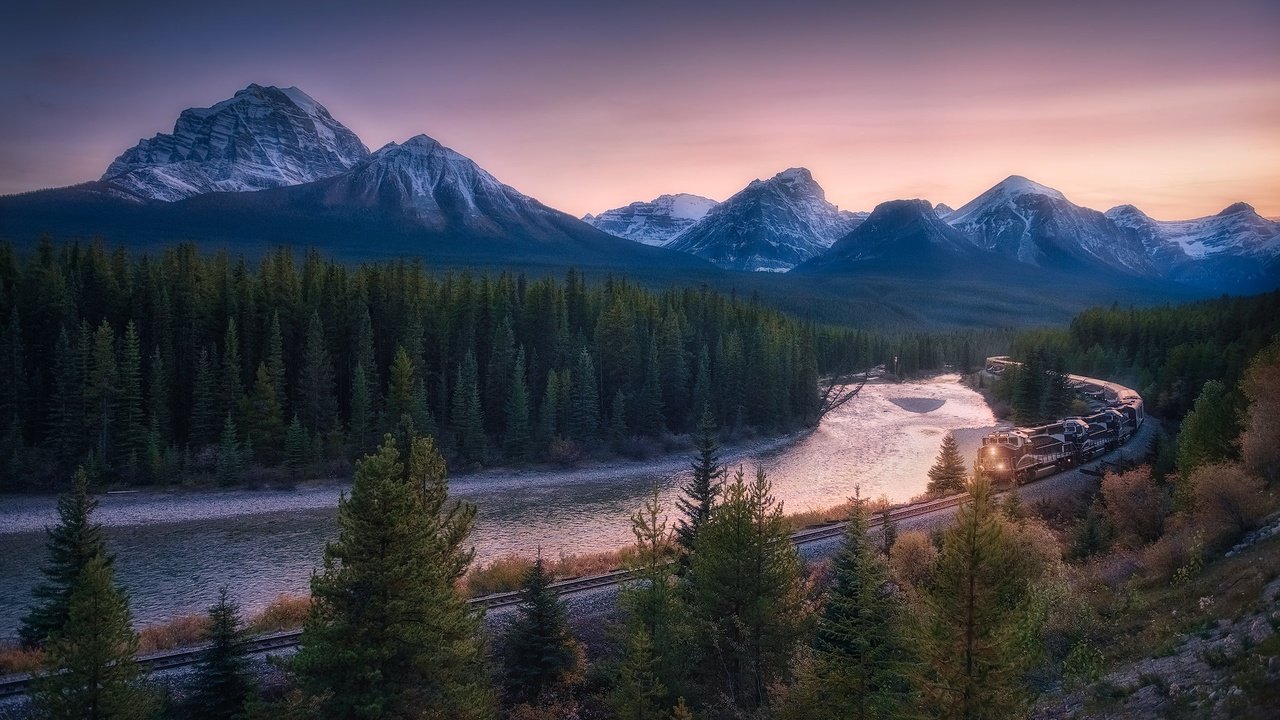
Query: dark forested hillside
{"x": 1167, "y": 353}
{"x": 156, "y": 365}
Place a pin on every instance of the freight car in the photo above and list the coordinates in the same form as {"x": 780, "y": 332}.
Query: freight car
{"x": 1019, "y": 455}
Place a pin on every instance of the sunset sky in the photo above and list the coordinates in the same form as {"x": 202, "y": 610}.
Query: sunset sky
{"x": 1173, "y": 106}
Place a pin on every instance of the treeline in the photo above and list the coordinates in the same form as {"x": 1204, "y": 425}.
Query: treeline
{"x": 1165, "y": 353}
{"x": 153, "y": 367}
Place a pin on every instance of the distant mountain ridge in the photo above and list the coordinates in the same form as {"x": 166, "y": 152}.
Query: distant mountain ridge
{"x": 272, "y": 166}
{"x": 655, "y": 222}
{"x": 770, "y": 225}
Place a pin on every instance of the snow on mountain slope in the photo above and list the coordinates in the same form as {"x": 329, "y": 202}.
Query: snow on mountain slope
{"x": 771, "y": 225}
{"x": 655, "y": 222}
{"x": 1237, "y": 230}
{"x": 263, "y": 137}
{"x": 439, "y": 189}
{"x": 1036, "y": 224}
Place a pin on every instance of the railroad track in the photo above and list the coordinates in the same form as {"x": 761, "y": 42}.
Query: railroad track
{"x": 17, "y": 684}
{"x": 263, "y": 644}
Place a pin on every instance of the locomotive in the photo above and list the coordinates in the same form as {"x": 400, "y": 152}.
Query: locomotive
{"x": 1019, "y": 455}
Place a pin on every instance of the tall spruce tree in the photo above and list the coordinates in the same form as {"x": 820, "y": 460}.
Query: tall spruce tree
{"x": 231, "y": 386}
{"x": 89, "y": 671}
{"x": 659, "y": 654}
{"x": 71, "y": 543}
{"x": 466, "y": 415}
{"x": 746, "y": 597}
{"x": 158, "y": 398}
{"x": 297, "y": 447}
{"x": 266, "y": 417}
{"x": 947, "y": 476}
{"x": 518, "y": 433}
{"x": 970, "y": 648}
{"x": 860, "y": 653}
{"x": 132, "y": 426}
{"x": 407, "y": 411}
{"x": 317, "y": 406}
{"x": 698, "y": 496}
{"x": 584, "y": 411}
{"x": 230, "y": 455}
{"x": 221, "y": 687}
{"x": 540, "y": 651}
{"x": 104, "y": 392}
{"x": 275, "y": 361}
{"x": 205, "y": 419}
{"x": 389, "y": 635}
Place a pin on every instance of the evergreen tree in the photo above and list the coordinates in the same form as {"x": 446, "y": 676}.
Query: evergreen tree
{"x": 649, "y": 404}
{"x": 699, "y": 494}
{"x": 103, "y": 391}
{"x": 407, "y": 411}
{"x": 221, "y": 688}
{"x": 266, "y": 418}
{"x": 71, "y": 544}
{"x": 89, "y": 671}
{"x": 1209, "y": 431}
{"x": 584, "y": 413}
{"x": 548, "y": 412}
{"x": 360, "y": 424}
{"x": 297, "y": 447}
{"x": 13, "y": 392}
{"x": 947, "y": 476}
{"x": 466, "y": 414}
{"x": 860, "y": 654}
{"x": 157, "y": 399}
{"x": 618, "y": 421}
{"x": 317, "y": 406}
{"x": 972, "y": 659}
{"x": 746, "y": 596}
{"x": 231, "y": 387}
{"x": 659, "y": 654}
{"x": 388, "y": 635}
{"x": 540, "y": 650}
{"x": 230, "y": 457}
{"x": 702, "y": 400}
{"x": 502, "y": 361}
{"x": 275, "y": 361}
{"x": 518, "y": 431}
{"x": 205, "y": 420}
{"x": 132, "y": 426}
{"x": 66, "y": 417}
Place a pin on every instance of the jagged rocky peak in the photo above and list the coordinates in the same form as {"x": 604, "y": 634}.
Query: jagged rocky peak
{"x": 942, "y": 210}
{"x": 654, "y": 222}
{"x": 262, "y": 137}
{"x": 1237, "y": 208}
{"x": 772, "y": 224}
{"x": 438, "y": 188}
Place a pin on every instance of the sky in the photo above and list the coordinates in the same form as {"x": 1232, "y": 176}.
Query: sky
{"x": 1172, "y": 106}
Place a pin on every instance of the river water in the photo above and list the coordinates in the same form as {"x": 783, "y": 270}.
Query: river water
{"x": 175, "y": 549}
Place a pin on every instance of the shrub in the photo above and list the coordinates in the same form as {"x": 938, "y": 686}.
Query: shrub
{"x": 564, "y": 452}
{"x": 1136, "y": 506}
{"x": 1228, "y": 501}
{"x": 911, "y": 560}
{"x": 179, "y": 632}
{"x": 286, "y": 612}
{"x": 1260, "y": 441}
{"x": 20, "y": 660}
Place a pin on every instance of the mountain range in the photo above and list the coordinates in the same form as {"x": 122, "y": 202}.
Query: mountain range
{"x": 272, "y": 166}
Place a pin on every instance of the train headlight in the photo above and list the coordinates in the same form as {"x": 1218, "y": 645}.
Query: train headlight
{"x": 999, "y": 466}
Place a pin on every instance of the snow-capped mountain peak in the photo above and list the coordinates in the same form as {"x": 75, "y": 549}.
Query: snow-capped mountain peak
{"x": 1037, "y": 225}
{"x": 655, "y": 222}
{"x": 262, "y": 137}
{"x": 1237, "y": 208}
{"x": 771, "y": 224}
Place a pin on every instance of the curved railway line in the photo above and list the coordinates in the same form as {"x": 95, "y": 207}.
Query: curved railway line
{"x": 262, "y": 644}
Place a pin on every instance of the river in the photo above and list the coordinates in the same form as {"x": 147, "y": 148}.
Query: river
{"x": 174, "y": 549}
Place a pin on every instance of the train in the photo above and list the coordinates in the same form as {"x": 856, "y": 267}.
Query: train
{"x": 1017, "y": 455}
